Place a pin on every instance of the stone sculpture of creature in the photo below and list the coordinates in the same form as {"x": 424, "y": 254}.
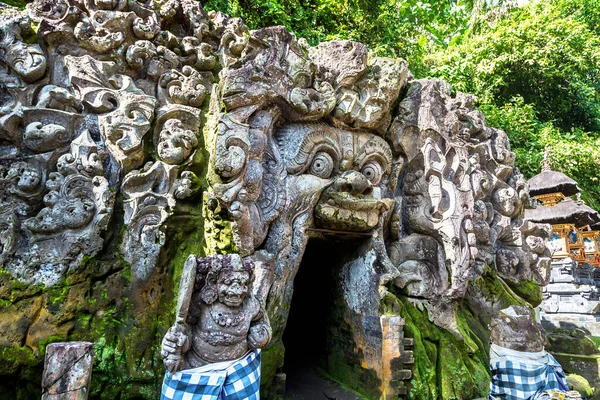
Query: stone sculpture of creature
{"x": 225, "y": 319}
{"x": 461, "y": 189}
{"x": 337, "y": 181}
{"x": 346, "y": 170}
{"x": 26, "y": 60}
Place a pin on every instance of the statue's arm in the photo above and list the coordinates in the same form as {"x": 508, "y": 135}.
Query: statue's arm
{"x": 260, "y": 332}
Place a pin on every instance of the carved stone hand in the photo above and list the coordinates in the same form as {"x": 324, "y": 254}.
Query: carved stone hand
{"x": 258, "y": 336}
{"x": 174, "y": 344}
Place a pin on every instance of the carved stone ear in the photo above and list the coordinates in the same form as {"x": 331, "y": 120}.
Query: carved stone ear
{"x": 208, "y": 293}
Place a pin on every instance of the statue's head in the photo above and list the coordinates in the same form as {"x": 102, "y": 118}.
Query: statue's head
{"x": 175, "y": 143}
{"x": 350, "y": 167}
{"x": 228, "y": 279}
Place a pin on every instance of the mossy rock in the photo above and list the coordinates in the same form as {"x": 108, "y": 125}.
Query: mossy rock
{"x": 572, "y": 342}
{"x": 528, "y": 291}
{"x": 580, "y": 384}
{"x": 445, "y": 366}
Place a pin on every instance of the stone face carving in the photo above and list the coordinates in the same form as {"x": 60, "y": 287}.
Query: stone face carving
{"x": 462, "y": 190}
{"x": 163, "y": 106}
{"x": 124, "y": 111}
{"x": 24, "y": 59}
{"x": 225, "y": 317}
{"x": 77, "y": 204}
{"x": 147, "y": 201}
{"x": 100, "y": 77}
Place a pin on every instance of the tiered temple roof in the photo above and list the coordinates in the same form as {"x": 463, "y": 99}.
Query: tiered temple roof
{"x": 575, "y": 226}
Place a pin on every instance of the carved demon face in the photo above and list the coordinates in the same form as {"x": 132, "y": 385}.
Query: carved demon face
{"x": 233, "y": 287}
{"x": 350, "y": 168}
{"x": 228, "y": 279}
{"x": 27, "y": 60}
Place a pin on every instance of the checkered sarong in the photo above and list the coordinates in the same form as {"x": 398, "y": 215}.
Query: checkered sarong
{"x": 518, "y": 380}
{"x": 239, "y": 380}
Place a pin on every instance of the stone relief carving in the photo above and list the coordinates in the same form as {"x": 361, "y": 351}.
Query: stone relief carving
{"x": 25, "y": 60}
{"x": 461, "y": 189}
{"x": 224, "y": 317}
{"x": 101, "y": 77}
{"x": 156, "y": 100}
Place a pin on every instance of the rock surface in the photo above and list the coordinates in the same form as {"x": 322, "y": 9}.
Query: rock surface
{"x": 572, "y": 342}
{"x": 67, "y": 371}
{"x": 133, "y": 134}
{"x": 516, "y": 329}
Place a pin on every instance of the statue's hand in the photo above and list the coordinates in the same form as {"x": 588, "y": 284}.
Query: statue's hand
{"x": 258, "y": 336}
{"x": 174, "y": 344}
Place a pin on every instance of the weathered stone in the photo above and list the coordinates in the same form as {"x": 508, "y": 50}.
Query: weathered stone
{"x": 221, "y": 319}
{"x": 16, "y": 319}
{"x": 587, "y": 367}
{"x": 67, "y": 371}
{"x": 217, "y": 139}
{"x": 516, "y": 329}
{"x": 572, "y": 342}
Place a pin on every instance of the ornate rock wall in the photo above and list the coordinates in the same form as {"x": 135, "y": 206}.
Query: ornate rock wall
{"x": 133, "y": 133}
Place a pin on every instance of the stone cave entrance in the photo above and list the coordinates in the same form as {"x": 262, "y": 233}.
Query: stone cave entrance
{"x": 313, "y": 318}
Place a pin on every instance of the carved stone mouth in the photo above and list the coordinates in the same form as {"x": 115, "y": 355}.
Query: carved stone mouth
{"x": 344, "y": 212}
{"x": 358, "y": 204}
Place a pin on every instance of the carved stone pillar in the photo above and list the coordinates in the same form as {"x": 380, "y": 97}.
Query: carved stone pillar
{"x": 67, "y": 371}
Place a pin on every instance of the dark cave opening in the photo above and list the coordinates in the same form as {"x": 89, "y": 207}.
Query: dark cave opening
{"x": 314, "y": 312}
{"x": 305, "y": 336}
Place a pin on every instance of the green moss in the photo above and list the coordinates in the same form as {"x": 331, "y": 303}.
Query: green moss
{"x": 218, "y": 229}
{"x": 16, "y": 356}
{"x": 271, "y": 360}
{"x": 57, "y": 294}
{"x": 445, "y": 367}
{"x": 580, "y": 384}
{"x": 454, "y": 378}
{"x": 528, "y": 291}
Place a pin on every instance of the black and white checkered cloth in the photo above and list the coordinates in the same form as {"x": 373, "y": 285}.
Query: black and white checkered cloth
{"x": 521, "y": 381}
{"x": 239, "y": 381}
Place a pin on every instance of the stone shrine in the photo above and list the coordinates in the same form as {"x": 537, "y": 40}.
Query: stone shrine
{"x": 135, "y": 133}
{"x": 572, "y": 298}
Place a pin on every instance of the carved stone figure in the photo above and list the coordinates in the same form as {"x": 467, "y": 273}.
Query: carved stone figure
{"x": 99, "y": 73}
{"x": 460, "y": 188}
{"x": 122, "y": 121}
{"x": 225, "y": 318}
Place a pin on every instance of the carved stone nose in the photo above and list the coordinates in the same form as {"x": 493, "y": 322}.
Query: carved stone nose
{"x": 236, "y": 289}
{"x": 353, "y": 182}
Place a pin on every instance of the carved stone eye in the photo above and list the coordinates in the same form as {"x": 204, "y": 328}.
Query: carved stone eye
{"x": 322, "y": 165}
{"x": 372, "y": 171}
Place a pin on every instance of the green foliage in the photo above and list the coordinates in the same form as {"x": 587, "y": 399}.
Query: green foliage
{"x": 15, "y": 3}
{"x": 549, "y": 59}
{"x": 536, "y": 73}
{"x": 576, "y": 152}
{"x": 393, "y": 28}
